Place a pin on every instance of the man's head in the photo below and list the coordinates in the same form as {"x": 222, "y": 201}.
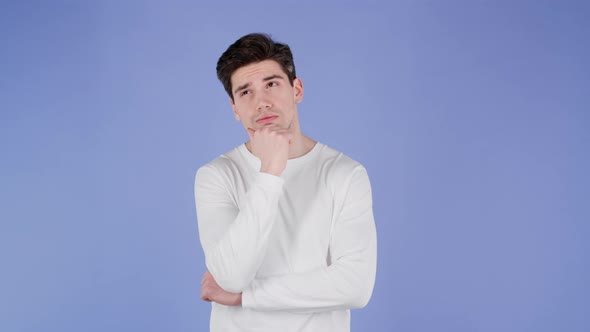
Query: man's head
{"x": 259, "y": 76}
{"x": 249, "y": 49}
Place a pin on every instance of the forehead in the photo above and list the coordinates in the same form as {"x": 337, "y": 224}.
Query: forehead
{"x": 256, "y": 71}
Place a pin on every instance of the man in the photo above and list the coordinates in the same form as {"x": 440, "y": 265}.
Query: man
{"x": 285, "y": 222}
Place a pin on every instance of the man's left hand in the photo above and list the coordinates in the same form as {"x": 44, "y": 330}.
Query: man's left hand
{"x": 212, "y": 292}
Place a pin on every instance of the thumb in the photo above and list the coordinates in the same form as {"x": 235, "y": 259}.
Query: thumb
{"x": 251, "y": 133}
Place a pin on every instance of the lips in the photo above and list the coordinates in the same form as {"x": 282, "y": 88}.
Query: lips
{"x": 267, "y": 118}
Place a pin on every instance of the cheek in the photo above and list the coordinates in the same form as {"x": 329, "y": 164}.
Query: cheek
{"x": 240, "y": 111}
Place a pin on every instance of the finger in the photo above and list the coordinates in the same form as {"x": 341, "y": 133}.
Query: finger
{"x": 270, "y": 128}
{"x": 282, "y": 132}
{"x": 206, "y": 294}
{"x": 287, "y": 134}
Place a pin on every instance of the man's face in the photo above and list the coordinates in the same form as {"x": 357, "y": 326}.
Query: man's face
{"x": 263, "y": 96}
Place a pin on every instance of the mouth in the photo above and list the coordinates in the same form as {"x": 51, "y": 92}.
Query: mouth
{"x": 267, "y": 119}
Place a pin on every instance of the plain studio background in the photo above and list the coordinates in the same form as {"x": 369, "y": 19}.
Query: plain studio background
{"x": 471, "y": 117}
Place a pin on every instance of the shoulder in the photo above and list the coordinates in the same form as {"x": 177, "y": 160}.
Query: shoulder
{"x": 344, "y": 177}
{"x": 338, "y": 165}
{"x": 221, "y": 167}
{"x": 340, "y": 172}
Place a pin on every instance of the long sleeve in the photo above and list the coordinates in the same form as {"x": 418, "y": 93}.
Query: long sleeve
{"x": 235, "y": 239}
{"x": 348, "y": 281}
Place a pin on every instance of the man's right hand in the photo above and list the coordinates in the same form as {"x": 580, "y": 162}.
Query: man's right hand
{"x": 271, "y": 145}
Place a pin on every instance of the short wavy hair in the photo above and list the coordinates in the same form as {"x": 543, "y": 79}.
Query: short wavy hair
{"x": 253, "y": 48}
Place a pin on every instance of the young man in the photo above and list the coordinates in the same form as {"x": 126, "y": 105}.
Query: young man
{"x": 286, "y": 223}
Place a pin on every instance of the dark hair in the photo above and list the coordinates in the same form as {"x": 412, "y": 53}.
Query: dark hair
{"x": 252, "y": 48}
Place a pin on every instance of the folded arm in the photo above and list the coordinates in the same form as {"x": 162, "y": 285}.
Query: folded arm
{"x": 347, "y": 282}
{"x": 235, "y": 239}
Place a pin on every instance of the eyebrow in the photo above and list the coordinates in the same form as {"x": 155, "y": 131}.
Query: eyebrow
{"x": 272, "y": 77}
{"x": 268, "y": 78}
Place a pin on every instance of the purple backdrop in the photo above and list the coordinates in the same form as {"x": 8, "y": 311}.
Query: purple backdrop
{"x": 471, "y": 117}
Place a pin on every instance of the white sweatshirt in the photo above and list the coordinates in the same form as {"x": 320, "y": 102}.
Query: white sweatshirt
{"x": 301, "y": 248}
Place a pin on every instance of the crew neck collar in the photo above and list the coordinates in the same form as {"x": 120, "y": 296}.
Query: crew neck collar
{"x": 291, "y": 163}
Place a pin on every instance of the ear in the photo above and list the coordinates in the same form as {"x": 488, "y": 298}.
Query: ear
{"x": 234, "y": 108}
{"x": 298, "y": 89}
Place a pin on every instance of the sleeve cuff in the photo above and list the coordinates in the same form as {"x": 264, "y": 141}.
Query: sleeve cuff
{"x": 247, "y": 298}
{"x": 270, "y": 182}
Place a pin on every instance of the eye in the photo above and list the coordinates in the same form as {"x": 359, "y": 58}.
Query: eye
{"x": 271, "y": 84}
{"x": 245, "y": 92}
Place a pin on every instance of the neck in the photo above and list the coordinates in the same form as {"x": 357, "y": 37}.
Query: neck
{"x": 300, "y": 146}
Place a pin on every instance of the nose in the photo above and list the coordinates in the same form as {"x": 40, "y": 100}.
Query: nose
{"x": 263, "y": 103}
